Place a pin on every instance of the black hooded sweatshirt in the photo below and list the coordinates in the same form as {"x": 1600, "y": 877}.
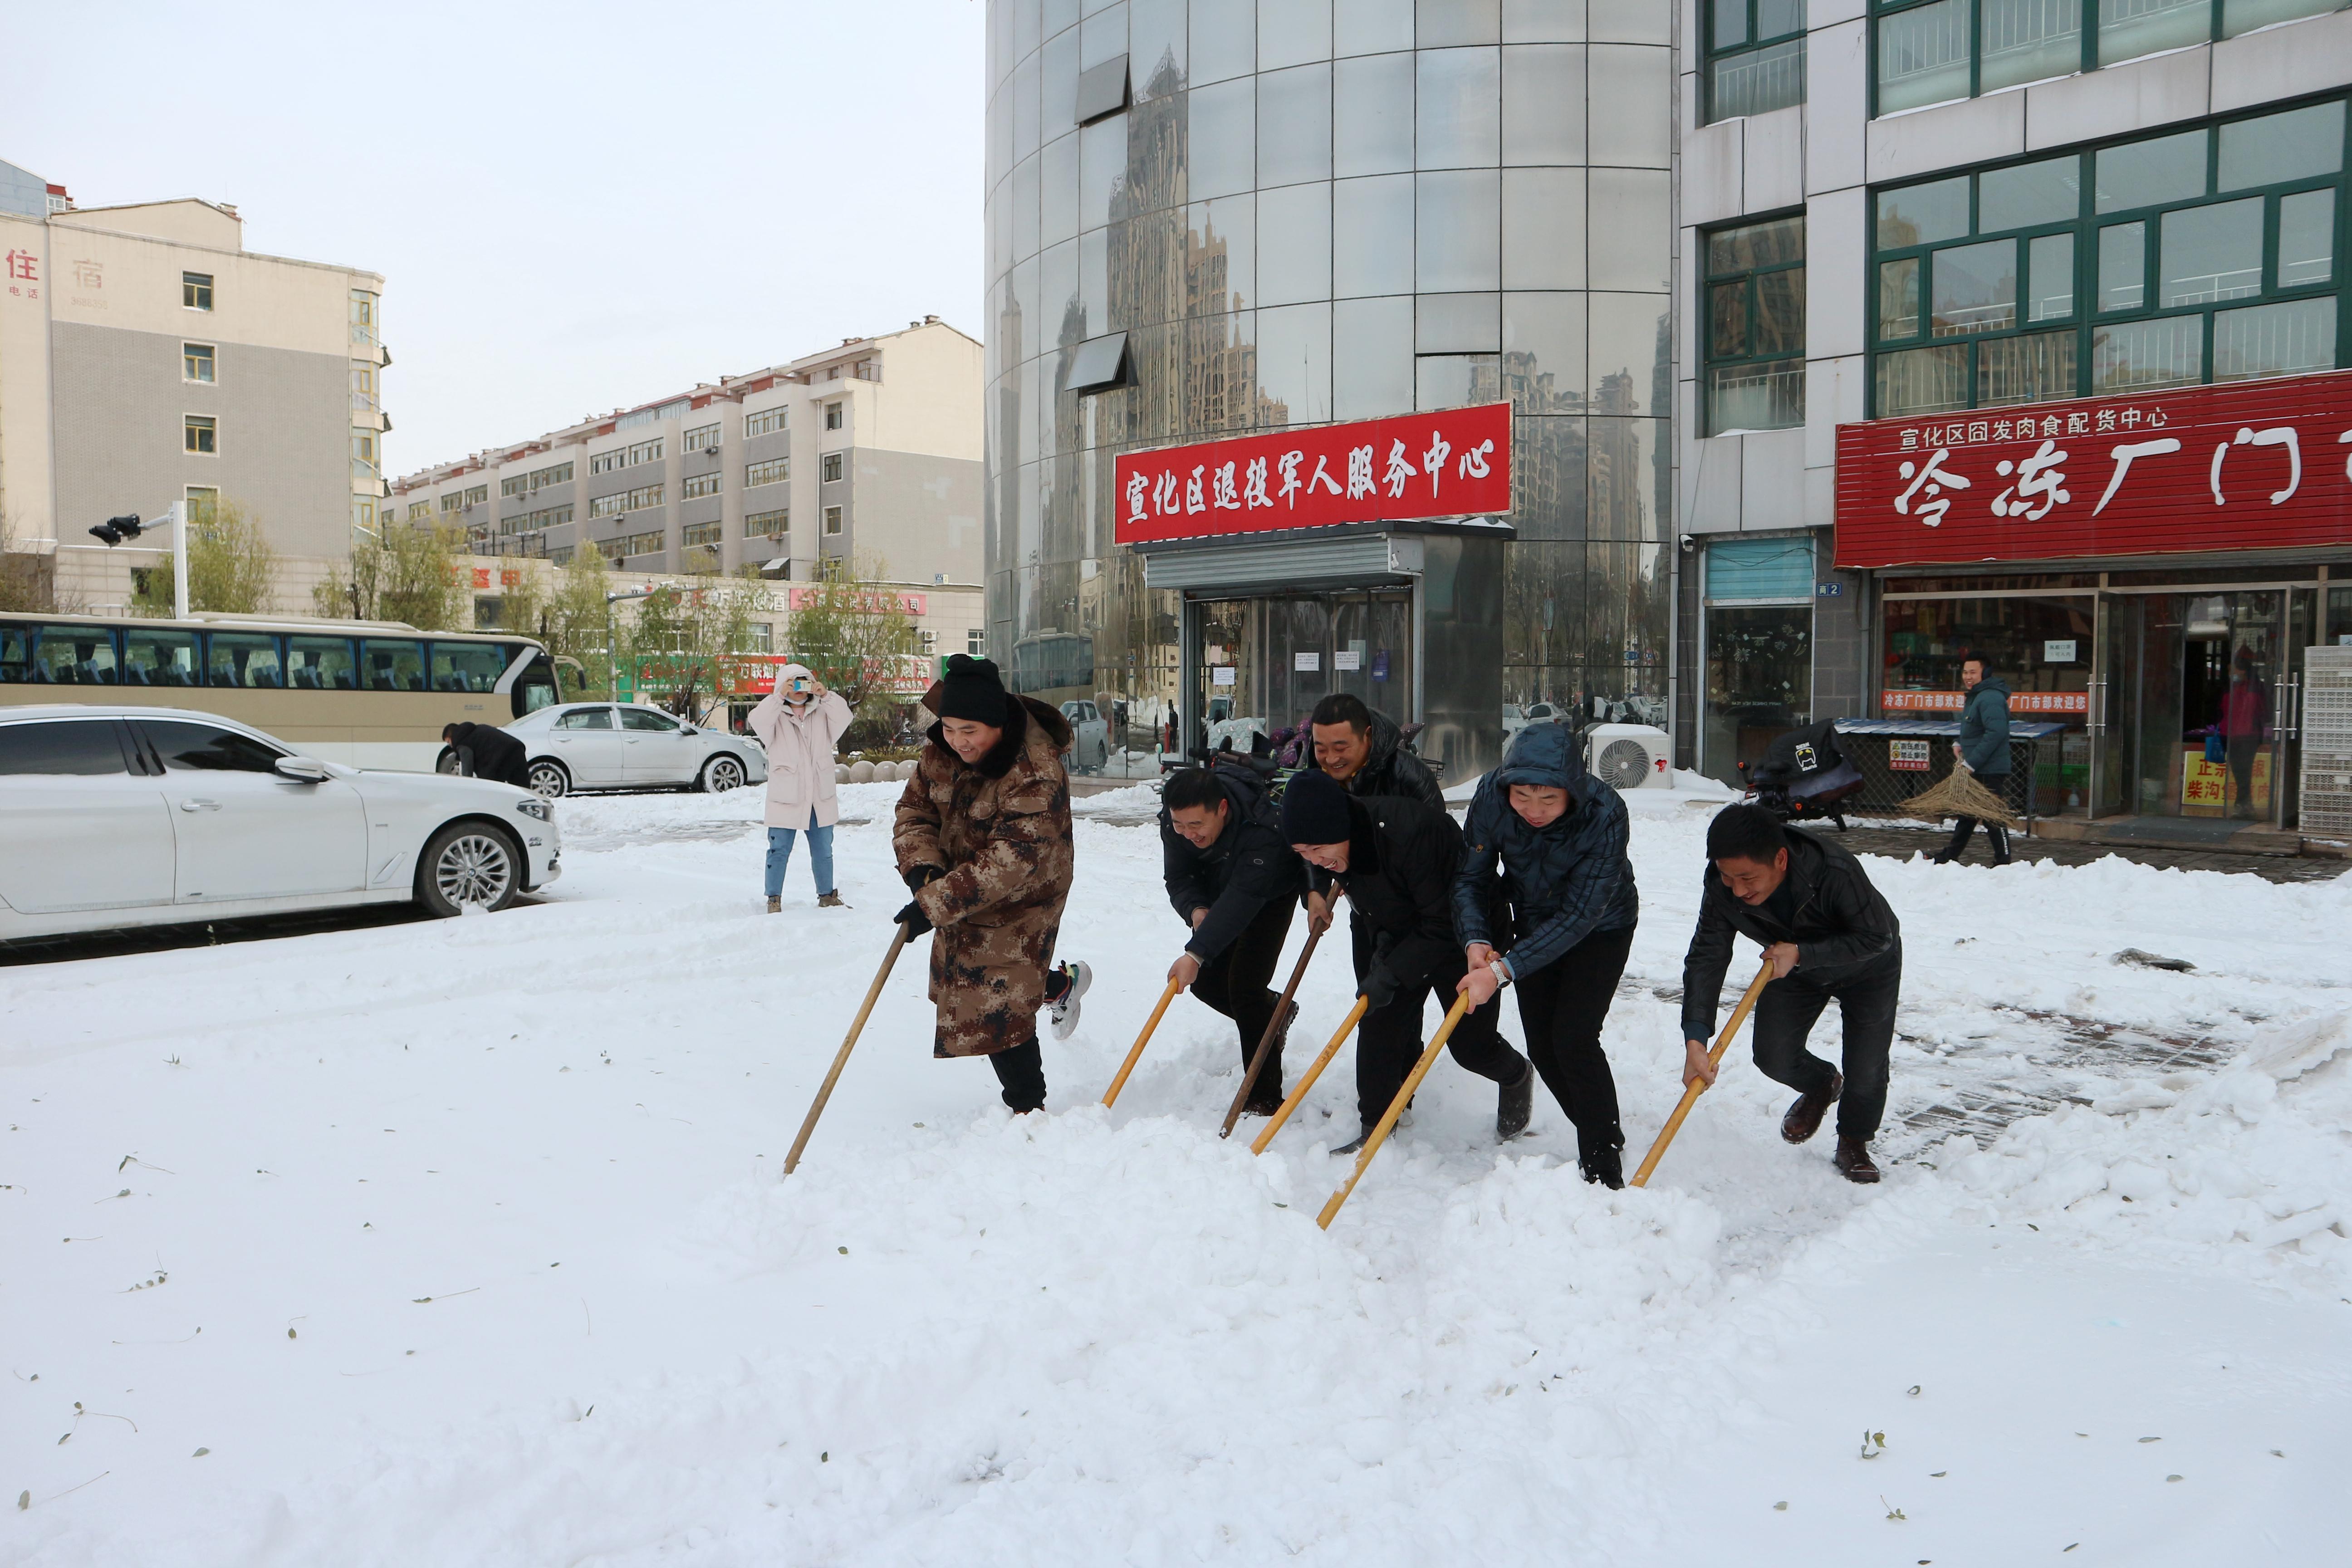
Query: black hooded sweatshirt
{"x": 1247, "y": 869}
{"x": 486, "y": 752}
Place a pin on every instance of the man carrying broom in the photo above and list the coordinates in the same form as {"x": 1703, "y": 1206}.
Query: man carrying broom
{"x": 1828, "y": 933}
{"x": 1233, "y": 880}
{"x": 982, "y": 835}
{"x": 1398, "y": 859}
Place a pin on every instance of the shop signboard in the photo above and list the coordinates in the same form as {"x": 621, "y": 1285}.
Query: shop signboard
{"x": 2254, "y": 464}
{"x": 2057, "y": 704}
{"x": 1451, "y": 462}
{"x": 866, "y": 601}
{"x": 908, "y": 675}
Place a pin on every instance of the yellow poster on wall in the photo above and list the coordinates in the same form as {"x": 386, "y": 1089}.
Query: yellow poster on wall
{"x": 2211, "y": 789}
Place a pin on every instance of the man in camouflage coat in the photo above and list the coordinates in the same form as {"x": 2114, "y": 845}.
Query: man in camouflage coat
{"x": 983, "y": 836}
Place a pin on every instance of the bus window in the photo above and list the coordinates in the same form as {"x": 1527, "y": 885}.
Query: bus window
{"x": 244, "y": 659}
{"x": 16, "y": 653}
{"x": 158, "y": 657}
{"x": 320, "y": 664}
{"x": 536, "y": 687}
{"x": 75, "y": 656}
{"x": 391, "y": 665}
{"x": 469, "y": 666}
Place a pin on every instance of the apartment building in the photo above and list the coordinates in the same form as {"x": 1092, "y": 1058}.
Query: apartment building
{"x": 2014, "y": 327}
{"x": 867, "y": 452}
{"x": 148, "y": 358}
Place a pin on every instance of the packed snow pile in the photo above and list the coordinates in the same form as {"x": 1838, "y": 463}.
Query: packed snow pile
{"x": 463, "y": 1242}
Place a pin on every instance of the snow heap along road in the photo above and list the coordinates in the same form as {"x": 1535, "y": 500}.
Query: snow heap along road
{"x": 462, "y": 1243}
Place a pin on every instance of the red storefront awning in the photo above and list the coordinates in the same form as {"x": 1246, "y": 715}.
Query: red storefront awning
{"x": 2255, "y": 465}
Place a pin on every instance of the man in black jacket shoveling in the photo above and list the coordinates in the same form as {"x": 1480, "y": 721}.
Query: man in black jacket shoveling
{"x": 1233, "y": 880}
{"x": 1398, "y": 859}
{"x": 486, "y": 752}
{"x": 1827, "y": 933}
{"x": 1568, "y": 886}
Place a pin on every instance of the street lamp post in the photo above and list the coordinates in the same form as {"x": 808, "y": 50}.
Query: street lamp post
{"x": 116, "y": 530}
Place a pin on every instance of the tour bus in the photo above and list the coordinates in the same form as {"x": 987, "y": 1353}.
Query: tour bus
{"x": 374, "y": 694}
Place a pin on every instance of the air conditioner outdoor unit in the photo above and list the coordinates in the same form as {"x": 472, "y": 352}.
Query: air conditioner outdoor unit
{"x": 1630, "y": 756}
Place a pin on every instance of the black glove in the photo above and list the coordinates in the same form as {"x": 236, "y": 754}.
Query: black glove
{"x": 916, "y": 876}
{"x": 913, "y": 918}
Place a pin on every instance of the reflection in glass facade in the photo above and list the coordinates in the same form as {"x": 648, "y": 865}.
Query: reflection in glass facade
{"x": 1314, "y": 211}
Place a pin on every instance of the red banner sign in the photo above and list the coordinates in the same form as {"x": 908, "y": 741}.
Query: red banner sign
{"x": 2255, "y": 465}
{"x": 2076, "y": 703}
{"x": 1454, "y": 462}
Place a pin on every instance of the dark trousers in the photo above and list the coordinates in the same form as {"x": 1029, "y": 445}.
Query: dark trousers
{"x": 1995, "y": 834}
{"x": 1561, "y": 1006}
{"x": 2242, "y": 750}
{"x": 1388, "y": 1042}
{"x": 1234, "y": 984}
{"x": 1785, "y": 1016}
{"x": 1021, "y": 1072}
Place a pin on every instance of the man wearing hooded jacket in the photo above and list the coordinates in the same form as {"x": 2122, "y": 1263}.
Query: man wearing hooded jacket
{"x": 1233, "y": 880}
{"x": 1983, "y": 749}
{"x": 1398, "y": 859}
{"x": 1568, "y": 887}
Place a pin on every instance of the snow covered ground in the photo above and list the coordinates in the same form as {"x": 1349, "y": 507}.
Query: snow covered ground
{"x": 463, "y": 1243}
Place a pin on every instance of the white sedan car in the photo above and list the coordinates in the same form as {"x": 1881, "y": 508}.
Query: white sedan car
{"x": 627, "y": 745}
{"x": 114, "y": 816}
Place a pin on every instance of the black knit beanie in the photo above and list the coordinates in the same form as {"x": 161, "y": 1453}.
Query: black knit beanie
{"x": 1315, "y": 809}
{"x": 970, "y": 689}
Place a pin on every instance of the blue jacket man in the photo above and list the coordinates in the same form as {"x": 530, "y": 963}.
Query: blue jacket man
{"x": 1983, "y": 749}
{"x": 1557, "y": 920}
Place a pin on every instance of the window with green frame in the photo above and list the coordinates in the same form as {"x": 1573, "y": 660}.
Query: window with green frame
{"x": 1931, "y": 51}
{"x": 1755, "y": 326}
{"x": 1755, "y": 56}
{"x": 2171, "y": 260}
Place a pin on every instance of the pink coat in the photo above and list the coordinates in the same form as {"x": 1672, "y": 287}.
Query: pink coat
{"x": 800, "y": 739}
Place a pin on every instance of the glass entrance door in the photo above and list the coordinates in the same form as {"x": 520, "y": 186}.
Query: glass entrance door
{"x": 1265, "y": 662}
{"x": 2210, "y": 670}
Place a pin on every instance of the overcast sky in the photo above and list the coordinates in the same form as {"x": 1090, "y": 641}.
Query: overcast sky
{"x": 574, "y": 206}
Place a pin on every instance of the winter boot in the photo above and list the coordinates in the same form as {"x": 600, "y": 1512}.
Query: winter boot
{"x": 1853, "y": 1161}
{"x": 1516, "y": 1104}
{"x": 1354, "y": 1144}
{"x": 831, "y": 902}
{"x": 1065, "y": 983}
{"x": 775, "y": 906}
{"x": 1804, "y": 1118}
{"x": 1602, "y": 1164}
{"x": 1021, "y": 1072}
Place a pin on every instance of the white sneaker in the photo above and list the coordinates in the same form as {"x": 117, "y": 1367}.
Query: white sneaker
{"x": 1064, "y": 1008}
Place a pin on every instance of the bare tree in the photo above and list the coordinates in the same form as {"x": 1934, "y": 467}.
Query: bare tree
{"x": 402, "y": 572}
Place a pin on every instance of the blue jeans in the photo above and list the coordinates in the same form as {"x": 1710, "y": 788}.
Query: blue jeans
{"x": 780, "y": 855}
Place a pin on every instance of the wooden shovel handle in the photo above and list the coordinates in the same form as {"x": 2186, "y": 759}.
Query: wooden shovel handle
{"x": 841, "y": 1059}
{"x": 1460, "y": 1009}
{"x": 1698, "y": 1085}
{"x": 1136, "y": 1055}
{"x": 1274, "y": 1123}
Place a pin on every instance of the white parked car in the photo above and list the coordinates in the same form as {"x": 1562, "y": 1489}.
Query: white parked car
{"x": 627, "y": 745}
{"x": 116, "y": 816}
{"x": 1515, "y": 719}
{"x": 1090, "y": 735}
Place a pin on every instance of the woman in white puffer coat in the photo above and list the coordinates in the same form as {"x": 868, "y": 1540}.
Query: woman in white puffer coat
{"x": 799, "y": 724}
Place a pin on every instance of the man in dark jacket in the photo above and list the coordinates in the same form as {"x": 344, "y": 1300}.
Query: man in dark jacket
{"x": 1365, "y": 750}
{"x": 1233, "y": 881}
{"x": 1983, "y": 749}
{"x": 486, "y": 752}
{"x": 1398, "y": 859}
{"x": 1559, "y": 834}
{"x": 1827, "y": 933}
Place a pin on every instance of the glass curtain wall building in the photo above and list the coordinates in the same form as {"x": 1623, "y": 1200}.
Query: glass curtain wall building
{"x": 1206, "y": 217}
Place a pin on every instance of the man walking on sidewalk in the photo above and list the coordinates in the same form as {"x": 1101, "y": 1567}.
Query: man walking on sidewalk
{"x": 982, "y": 835}
{"x": 1398, "y": 859}
{"x": 1233, "y": 881}
{"x": 1983, "y": 749}
{"x": 1567, "y": 889}
{"x": 1828, "y": 933}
